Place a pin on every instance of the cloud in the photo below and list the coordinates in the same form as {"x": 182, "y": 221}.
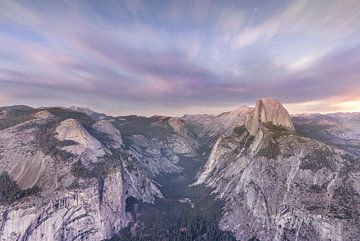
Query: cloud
{"x": 178, "y": 54}
{"x": 335, "y": 75}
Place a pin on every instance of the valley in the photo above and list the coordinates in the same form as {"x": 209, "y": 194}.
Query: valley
{"x": 185, "y": 213}
{"x": 179, "y": 120}
{"x": 248, "y": 174}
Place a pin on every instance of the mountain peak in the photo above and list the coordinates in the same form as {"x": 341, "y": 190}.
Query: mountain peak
{"x": 268, "y": 110}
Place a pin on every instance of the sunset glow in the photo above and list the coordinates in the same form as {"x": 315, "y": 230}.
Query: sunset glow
{"x": 161, "y": 57}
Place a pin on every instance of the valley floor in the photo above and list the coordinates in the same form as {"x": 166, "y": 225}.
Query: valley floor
{"x": 186, "y": 212}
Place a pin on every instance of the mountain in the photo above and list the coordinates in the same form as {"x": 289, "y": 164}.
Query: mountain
{"x": 207, "y": 128}
{"x": 267, "y": 110}
{"x": 280, "y": 185}
{"x": 248, "y": 174}
{"x": 338, "y": 129}
{"x": 66, "y": 176}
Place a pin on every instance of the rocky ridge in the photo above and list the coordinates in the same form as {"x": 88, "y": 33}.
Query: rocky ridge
{"x": 279, "y": 185}
{"x": 339, "y": 129}
{"x": 74, "y": 174}
{"x": 208, "y": 128}
{"x": 267, "y": 110}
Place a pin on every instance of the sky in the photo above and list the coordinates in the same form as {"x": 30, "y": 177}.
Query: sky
{"x": 175, "y": 57}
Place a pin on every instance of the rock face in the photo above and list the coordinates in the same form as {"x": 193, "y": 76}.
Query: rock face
{"x": 339, "y": 129}
{"x": 86, "y": 145}
{"x": 268, "y": 110}
{"x": 113, "y": 134}
{"x": 65, "y": 207}
{"x": 43, "y": 114}
{"x": 208, "y": 128}
{"x": 18, "y": 157}
{"x": 287, "y": 187}
{"x": 179, "y": 126}
{"x": 77, "y": 214}
{"x": 69, "y": 176}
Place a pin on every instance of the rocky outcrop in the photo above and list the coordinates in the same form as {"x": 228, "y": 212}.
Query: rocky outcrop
{"x": 70, "y": 177}
{"x": 70, "y": 215}
{"x": 113, "y": 134}
{"x": 84, "y": 144}
{"x": 65, "y": 207}
{"x": 287, "y": 188}
{"x": 163, "y": 140}
{"x": 208, "y": 128}
{"x": 211, "y": 164}
{"x": 43, "y": 114}
{"x": 20, "y": 157}
{"x": 339, "y": 129}
{"x": 268, "y": 110}
{"x": 179, "y": 126}
{"x": 83, "y": 174}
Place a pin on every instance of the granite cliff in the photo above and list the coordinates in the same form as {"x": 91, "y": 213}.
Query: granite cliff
{"x": 74, "y": 174}
{"x": 280, "y": 185}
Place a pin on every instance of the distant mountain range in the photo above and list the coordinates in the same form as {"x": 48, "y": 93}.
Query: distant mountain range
{"x": 249, "y": 174}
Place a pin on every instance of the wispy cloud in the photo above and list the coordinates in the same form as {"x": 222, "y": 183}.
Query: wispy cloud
{"x": 183, "y": 55}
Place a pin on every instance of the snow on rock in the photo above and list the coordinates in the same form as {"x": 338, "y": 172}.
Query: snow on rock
{"x": 87, "y": 145}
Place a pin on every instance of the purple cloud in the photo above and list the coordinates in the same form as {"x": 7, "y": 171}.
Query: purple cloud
{"x": 137, "y": 56}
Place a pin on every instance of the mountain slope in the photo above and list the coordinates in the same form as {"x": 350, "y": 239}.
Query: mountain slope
{"x": 67, "y": 176}
{"x": 341, "y": 130}
{"x": 208, "y": 128}
{"x": 278, "y": 185}
{"x": 74, "y": 174}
